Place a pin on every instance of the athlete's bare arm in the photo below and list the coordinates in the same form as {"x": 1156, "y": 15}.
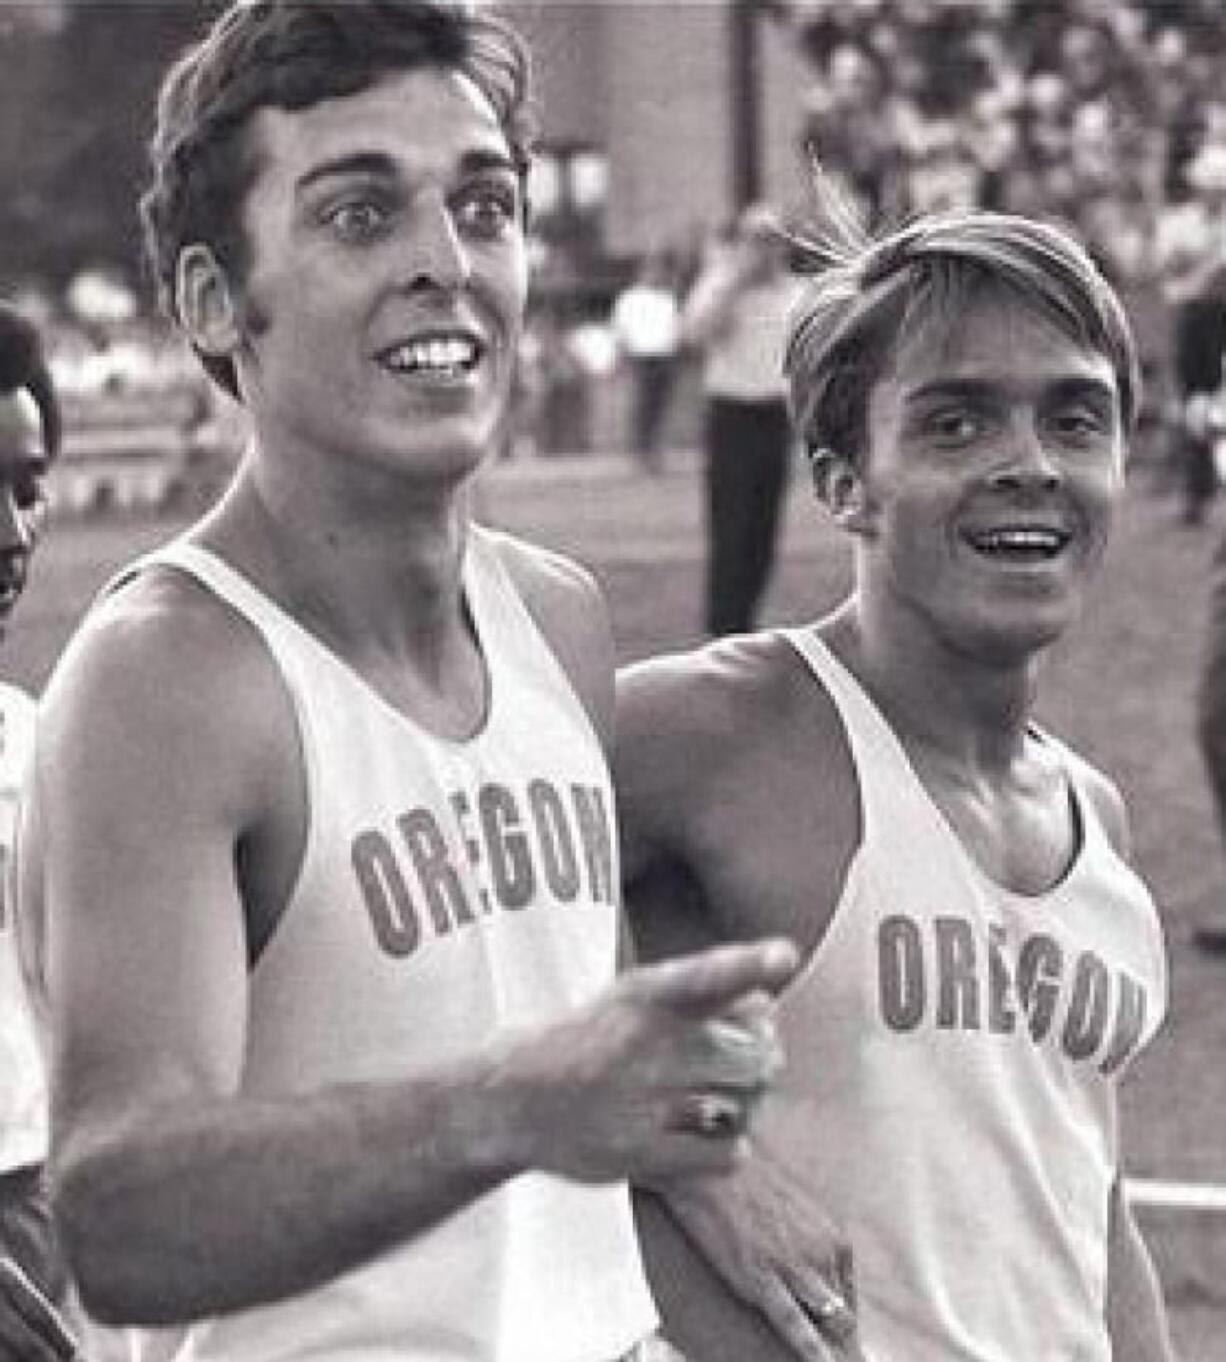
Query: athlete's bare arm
{"x": 1136, "y": 1316}
{"x": 168, "y": 787}
{"x": 732, "y": 763}
{"x": 737, "y": 818}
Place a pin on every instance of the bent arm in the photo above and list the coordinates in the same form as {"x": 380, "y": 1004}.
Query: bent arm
{"x": 747, "y": 1265}
{"x": 707, "y": 311}
{"x": 147, "y": 778}
{"x": 179, "y": 1194}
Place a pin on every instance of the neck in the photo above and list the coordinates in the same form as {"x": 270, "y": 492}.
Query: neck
{"x": 970, "y": 710}
{"x": 378, "y": 572}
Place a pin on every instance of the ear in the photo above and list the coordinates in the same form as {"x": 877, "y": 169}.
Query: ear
{"x": 838, "y": 485}
{"x": 204, "y": 298}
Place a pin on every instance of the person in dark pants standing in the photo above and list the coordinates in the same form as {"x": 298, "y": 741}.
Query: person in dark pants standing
{"x": 1192, "y": 248}
{"x": 736, "y": 313}
{"x": 645, "y": 322}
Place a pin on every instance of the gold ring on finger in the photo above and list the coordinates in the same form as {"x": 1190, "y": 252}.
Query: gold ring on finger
{"x": 713, "y": 1114}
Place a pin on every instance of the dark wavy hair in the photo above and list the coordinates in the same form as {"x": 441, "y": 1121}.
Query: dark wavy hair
{"x": 869, "y": 295}
{"x": 23, "y": 365}
{"x": 290, "y": 54}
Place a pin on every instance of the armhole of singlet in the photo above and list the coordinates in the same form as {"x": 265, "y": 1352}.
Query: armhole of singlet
{"x": 228, "y": 586}
{"x": 494, "y": 600}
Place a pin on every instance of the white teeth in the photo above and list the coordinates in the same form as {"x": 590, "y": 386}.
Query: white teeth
{"x": 436, "y": 353}
{"x": 1019, "y": 540}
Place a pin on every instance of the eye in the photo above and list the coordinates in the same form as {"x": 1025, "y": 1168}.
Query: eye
{"x": 955, "y": 425}
{"x": 487, "y": 208}
{"x": 355, "y": 220}
{"x": 30, "y": 496}
{"x": 1081, "y": 423}
{"x": 30, "y": 499}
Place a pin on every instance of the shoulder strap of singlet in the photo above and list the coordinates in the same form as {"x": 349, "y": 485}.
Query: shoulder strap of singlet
{"x": 505, "y": 623}
{"x": 225, "y": 582}
{"x": 877, "y": 749}
{"x": 874, "y": 744}
{"x": 1078, "y": 773}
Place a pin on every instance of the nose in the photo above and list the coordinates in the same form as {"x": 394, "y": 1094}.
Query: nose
{"x": 1027, "y": 462}
{"x": 439, "y": 255}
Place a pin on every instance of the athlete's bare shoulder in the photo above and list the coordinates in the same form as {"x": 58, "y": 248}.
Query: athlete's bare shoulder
{"x": 717, "y": 729}
{"x": 569, "y": 608}
{"x": 161, "y": 668}
{"x": 717, "y": 702}
{"x": 153, "y": 629}
{"x": 549, "y": 581}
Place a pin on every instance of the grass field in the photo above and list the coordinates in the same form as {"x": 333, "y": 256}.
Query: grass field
{"x": 1121, "y": 691}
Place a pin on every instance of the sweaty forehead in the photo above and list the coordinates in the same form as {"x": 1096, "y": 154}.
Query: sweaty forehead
{"x": 995, "y": 336}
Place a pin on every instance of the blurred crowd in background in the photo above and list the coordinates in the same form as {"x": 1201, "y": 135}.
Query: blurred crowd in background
{"x": 1109, "y": 115}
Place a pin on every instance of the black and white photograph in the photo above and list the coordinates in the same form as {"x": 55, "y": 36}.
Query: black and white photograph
{"x": 613, "y": 681}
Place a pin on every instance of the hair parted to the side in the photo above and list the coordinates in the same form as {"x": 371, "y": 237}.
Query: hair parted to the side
{"x": 869, "y": 294}
{"x": 23, "y": 365}
{"x": 291, "y": 54}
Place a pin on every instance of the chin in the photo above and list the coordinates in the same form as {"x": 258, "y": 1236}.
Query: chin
{"x": 438, "y": 461}
{"x": 1013, "y": 643}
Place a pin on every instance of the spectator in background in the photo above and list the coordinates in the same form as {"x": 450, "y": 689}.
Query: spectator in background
{"x": 645, "y": 323}
{"x": 32, "y": 1278}
{"x": 737, "y": 315}
{"x": 1210, "y": 937}
{"x": 1192, "y": 251}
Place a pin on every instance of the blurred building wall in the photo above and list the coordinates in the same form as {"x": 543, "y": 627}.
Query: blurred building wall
{"x": 650, "y": 83}
{"x": 645, "y": 81}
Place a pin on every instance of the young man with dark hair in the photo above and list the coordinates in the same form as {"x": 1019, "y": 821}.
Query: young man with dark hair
{"x": 32, "y": 1278}
{"x": 981, "y": 964}
{"x": 323, "y": 861}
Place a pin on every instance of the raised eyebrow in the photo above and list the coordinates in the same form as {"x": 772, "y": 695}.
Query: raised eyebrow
{"x": 372, "y": 164}
{"x": 378, "y": 165}
{"x": 478, "y": 162}
{"x": 1093, "y": 389}
{"x": 961, "y": 389}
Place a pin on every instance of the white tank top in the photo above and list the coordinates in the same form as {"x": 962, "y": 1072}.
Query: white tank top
{"x": 449, "y": 891}
{"x": 954, "y": 1050}
{"x": 23, "y": 1091}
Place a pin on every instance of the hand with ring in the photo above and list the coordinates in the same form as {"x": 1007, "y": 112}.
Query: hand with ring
{"x": 830, "y": 1312}
{"x": 768, "y": 1235}
{"x": 655, "y": 1078}
{"x": 718, "y": 1115}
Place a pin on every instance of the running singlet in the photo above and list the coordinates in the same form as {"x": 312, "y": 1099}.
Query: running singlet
{"x": 449, "y": 891}
{"x": 953, "y": 1053}
{"x": 23, "y": 1093}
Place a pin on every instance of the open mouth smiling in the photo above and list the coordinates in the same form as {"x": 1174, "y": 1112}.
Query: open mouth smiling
{"x": 1019, "y": 543}
{"x": 443, "y": 354}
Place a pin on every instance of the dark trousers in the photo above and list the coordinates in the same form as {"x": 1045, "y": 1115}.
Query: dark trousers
{"x": 748, "y": 447}
{"x": 653, "y": 383}
{"x": 1200, "y": 344}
